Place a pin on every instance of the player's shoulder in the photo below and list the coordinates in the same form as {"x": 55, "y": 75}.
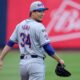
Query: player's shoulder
{"x": 35, "y": 23}
{"x": 39, "y": 25}
{"x": 22, "y": 22}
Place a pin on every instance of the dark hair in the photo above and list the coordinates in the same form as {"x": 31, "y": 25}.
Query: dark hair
{"x": 31, "y": 12}
{"x": 36, "y": 11}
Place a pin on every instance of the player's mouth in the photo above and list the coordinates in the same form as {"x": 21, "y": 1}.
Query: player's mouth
{"x": 40, "y": 17}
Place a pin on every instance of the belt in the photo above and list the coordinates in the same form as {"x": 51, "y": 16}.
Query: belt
{"x": 32, "y": 56}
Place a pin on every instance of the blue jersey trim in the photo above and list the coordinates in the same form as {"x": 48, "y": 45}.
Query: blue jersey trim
{"x": 10, "y": 43}
{"x": 49, "y": 49}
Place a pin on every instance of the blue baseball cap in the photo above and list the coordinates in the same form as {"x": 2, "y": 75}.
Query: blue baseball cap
{"x": 37, "y": 6}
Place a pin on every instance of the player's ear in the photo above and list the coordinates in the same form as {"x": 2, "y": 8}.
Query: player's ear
{"x": 31, "y": 13}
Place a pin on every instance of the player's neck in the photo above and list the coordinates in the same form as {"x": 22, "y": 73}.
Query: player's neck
{"x": 35, "y": 19}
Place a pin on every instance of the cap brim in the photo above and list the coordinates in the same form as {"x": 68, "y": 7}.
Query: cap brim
{"x": 42, "y": 9}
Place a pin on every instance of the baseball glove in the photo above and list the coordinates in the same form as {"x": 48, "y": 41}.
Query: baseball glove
{"x": 61, "y": 71}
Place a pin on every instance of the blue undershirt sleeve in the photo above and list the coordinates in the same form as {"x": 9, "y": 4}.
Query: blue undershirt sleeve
{"x": 10, "y": 43}
{"x": 49, "y": 49}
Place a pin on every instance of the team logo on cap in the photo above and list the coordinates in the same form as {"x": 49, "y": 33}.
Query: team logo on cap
{"x": 39, "y": 5}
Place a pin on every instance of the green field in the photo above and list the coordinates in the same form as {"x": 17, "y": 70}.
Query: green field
{"x": 10, "y": 69}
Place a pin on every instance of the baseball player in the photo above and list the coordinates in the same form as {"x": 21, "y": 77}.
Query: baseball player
{"x": 33, "y": 42}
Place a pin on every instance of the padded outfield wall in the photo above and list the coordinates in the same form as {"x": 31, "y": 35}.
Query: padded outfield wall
{"x": 62, "y": 21}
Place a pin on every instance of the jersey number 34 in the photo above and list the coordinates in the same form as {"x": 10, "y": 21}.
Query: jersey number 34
{"x": 25, "y": 40}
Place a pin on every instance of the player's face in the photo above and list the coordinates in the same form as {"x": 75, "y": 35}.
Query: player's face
{"x": 38, "y": 15}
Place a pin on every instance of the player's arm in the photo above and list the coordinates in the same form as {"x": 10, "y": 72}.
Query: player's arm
{"x": 51, "y": 52}
{"x": 43, "y": 38}
{"x": 7, "y": 48}
{"x": 9, "y": 45}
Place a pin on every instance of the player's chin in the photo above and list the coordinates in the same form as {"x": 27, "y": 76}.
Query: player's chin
{"x": 40, "y": 19}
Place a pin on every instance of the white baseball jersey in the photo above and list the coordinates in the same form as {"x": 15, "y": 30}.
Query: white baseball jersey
{"x": 30, "y": 35}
